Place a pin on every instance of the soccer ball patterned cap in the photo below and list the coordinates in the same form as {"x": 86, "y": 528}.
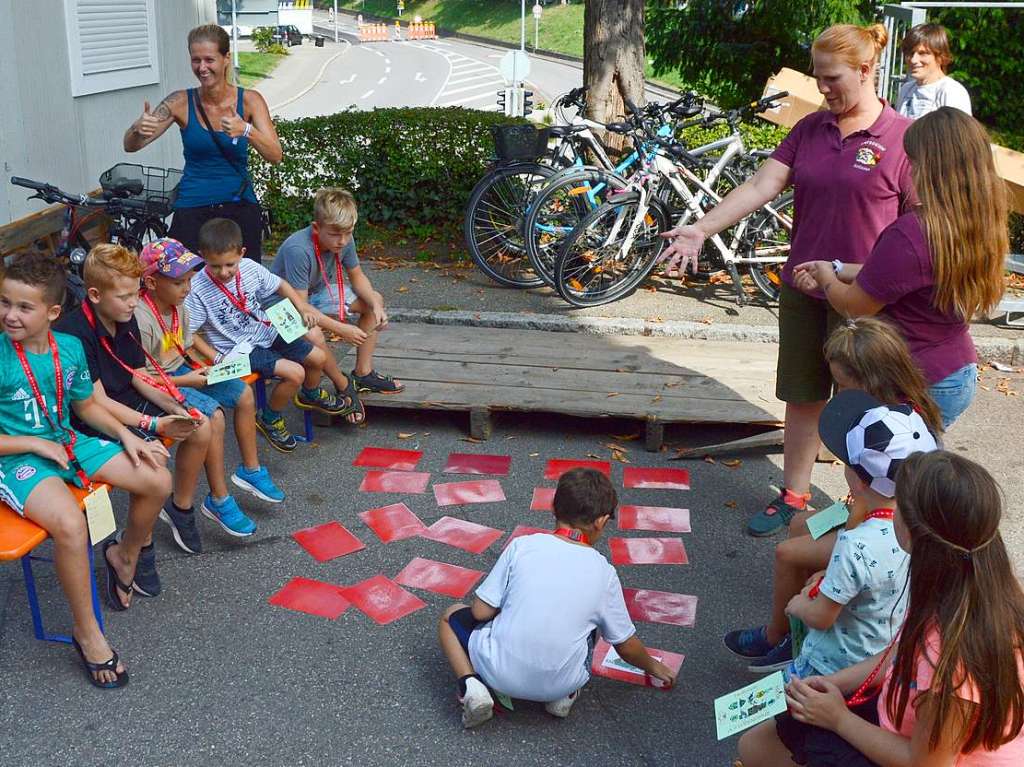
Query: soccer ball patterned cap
{"x": 873, "y": 439}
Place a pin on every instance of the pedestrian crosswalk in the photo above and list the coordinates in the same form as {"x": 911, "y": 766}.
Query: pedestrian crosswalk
{"x": 471, "y": 83}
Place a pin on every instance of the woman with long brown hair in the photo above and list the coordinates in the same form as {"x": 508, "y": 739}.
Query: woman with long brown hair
{"x": 938, "y": 266}
{"x": 952, "y": 691}
{"x": 219, "y": 122}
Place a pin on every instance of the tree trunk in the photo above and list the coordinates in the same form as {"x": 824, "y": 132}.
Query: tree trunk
{"x": 613, "y": 59}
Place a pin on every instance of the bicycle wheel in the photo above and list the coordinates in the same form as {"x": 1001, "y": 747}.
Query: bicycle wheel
{"x": 768, "y": 236}
{"x": 139, "y": 232}
{"x": 610, "y": 253}
{"x": 493, "y": 225}
{"x": 558, "y": 208}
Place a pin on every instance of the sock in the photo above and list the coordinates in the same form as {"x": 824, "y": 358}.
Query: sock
{"x": 796, "y": 500}
{"x": 217, "y": 500}
{"x": 269, "y": 415}
{"x": 180, "y": 510}
{"x": 462, "y": 683}
{"x": 310, "y": 393}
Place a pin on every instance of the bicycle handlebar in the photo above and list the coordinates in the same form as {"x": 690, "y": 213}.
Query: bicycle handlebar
{"x": 50, "y": 193}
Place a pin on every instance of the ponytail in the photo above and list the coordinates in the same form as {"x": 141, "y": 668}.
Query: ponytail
{"x": 854, "y": 44}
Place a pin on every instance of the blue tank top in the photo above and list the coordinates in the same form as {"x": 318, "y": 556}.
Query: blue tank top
{"x": 208, "y": 177}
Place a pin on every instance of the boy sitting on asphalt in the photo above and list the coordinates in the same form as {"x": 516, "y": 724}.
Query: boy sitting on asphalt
{"x": 163, "y": 319}
{"x": 856, "y": 607}
{"x": 313, "y": 260}
{"x": 226, "y": 305}
{"x": 531, "y": 628}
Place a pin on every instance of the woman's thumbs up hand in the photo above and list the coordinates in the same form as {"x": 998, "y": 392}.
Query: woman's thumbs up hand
{"x": 232, "y": 124}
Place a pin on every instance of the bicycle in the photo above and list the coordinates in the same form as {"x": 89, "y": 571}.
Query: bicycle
{"x": 135, "y": 198}
{"x": 616, "y": 246}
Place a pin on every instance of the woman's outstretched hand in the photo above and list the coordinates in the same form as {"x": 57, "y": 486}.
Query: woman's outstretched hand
{"x": 683, "y": 249}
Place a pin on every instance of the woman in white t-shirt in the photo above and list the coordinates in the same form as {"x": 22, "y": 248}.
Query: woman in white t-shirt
{"x": 926, "y": 51}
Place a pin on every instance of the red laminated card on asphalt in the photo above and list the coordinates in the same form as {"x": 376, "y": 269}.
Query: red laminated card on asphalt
{"x": 468, "y": 536}
{"x": 382, "y": 599}
{"x": 312, "y": 597}
{"x": 393, "y": 523}
{"x": 438, "y": 577}
{"x": 395, "y": 482}
{"x": 556, "y": 467}
{"x": 328, "y": 541}
{"x": 659, "y": 518}
{"x": 543, "y": 498}
{"x": 607, "y": 663}
{"x": 387, "y": 458}
{"x": 656, "y": 479}
{"x": 471, "y": 463}
{"x": 647, "y": 551}
{"x": 522, "y": 530}
{"x": 476, "y": 491}
{"x": 661, "y": 606}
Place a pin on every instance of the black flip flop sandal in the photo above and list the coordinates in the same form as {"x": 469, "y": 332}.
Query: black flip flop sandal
{"x": 92, "y": 668}
{"x": 114, "y": 582}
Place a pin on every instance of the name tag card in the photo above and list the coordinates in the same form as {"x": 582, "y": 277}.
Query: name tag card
{"x": 99, "y": 515}
{"x": 236, "y": 367}
{"x": 286, "y": 318}
{"x": 828, "y": 519}
{"x": 750, "y": 705}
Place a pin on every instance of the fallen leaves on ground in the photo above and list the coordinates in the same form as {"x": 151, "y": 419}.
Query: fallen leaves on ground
{"x": 732, "y": 463}
{"x": 657, "y": 398}
{"x": 706, "y": 320}
{"x": 709, "y": 459}
{"x": 614, "y": 446}
{"x": 474, "y": 440}
{"x": 730, "y": 504}
{"x": 534, "y": 455}
{"x": 402, "y": 289}
{"x": 407, "y": 434}
{"x": 613, "y": 394}
{"x": 625, "y": 437}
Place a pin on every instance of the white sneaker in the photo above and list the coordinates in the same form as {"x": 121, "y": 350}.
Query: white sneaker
{"x": 477, "y": 704}
{"x": 562, "y": 706}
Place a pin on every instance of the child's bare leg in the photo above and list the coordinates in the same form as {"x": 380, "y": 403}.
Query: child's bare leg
{"x": 450, "y": 645}
{"x": 368, "y": 324}
{"x": 53, "y": 508}
{"x": 291, "y": 375}
{"x": 245, "y": 429}
{"x": 796, "y": 559}
{"x": 188, "y": 462}
{"x": 761, "y": 747}
{"x": 331, "y": 369}
{"x": 215, "y": 456}
{"x": 313, "y": 366}
{"x": 148, "y": 487}
{"x": 798, "y": 524}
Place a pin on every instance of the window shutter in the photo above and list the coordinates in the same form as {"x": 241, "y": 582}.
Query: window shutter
{"x": 111, "y": 44}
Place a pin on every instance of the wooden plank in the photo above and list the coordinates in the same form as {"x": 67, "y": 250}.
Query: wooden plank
{"x": 768, "y": 439}
{"x": 24, "y": 232}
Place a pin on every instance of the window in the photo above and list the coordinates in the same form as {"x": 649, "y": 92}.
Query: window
{"x": 111, "y": 44}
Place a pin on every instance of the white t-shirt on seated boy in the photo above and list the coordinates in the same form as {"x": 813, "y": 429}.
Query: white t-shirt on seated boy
{"x": 552, "y": 595}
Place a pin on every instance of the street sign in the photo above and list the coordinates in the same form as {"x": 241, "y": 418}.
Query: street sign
{"x": 514, "y": 66}
{"x": 537, "y": 11}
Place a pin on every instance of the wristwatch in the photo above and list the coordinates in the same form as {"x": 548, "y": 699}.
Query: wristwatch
{"x": 837, "y": 266}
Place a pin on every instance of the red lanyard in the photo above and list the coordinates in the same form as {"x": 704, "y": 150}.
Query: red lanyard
{"x": 164, "y": 384}
{"x": 573, "y": 535}
{"x": 860, "y": 696}
{"x": 339, "y": 277}
{"x": 69, "y": 434}
{"x": 239, "y": 301}
{"x": 174, "y": 331}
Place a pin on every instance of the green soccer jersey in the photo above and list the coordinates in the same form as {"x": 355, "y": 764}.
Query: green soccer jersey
{"x": 20, "y": 415}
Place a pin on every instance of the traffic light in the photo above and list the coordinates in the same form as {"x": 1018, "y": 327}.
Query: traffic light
{"x": 527, "y": 103}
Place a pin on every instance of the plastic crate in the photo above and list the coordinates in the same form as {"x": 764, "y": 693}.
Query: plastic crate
{"x": 157, "y": 187}
{"x": 519, "y": 142}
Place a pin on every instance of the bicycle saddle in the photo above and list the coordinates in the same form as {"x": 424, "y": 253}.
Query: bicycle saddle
{"x": 561, "y": 131}
{"x": 125, "y": 187}
{"x": 619, "y": 127}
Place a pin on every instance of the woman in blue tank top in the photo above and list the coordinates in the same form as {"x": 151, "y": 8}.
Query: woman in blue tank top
{"x": 218, "y": 122}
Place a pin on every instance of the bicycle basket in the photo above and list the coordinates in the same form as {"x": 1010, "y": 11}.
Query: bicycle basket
{"x": 519, "y": 142}
{"x": 157, "y": 187}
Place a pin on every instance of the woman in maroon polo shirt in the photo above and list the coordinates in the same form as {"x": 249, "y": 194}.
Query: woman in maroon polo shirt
{"x": 938, "y": 266}
{"x": 851, "y": 178}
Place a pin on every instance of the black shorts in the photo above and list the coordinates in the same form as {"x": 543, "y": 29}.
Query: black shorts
{"x": 816, "y": 747}
{"x": 187, "y": 222}
{"x": 463, "y": 624}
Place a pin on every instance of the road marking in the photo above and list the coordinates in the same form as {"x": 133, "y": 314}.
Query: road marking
{"x": 467, "y": 99}
{"x": 420, "y": 78}
{"x": 320, "y": 74}
{"x": 387, "y": 61}
{"x": 489, "y": 86}
{"x": 381, "y": 80}
{"x": 387, "y": 70}
{"x": 462, "y": 80}
{"x": 367, "y": 94}
{"x": 346, "y": 82}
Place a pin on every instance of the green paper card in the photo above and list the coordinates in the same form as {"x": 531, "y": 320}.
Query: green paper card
{"x": 750, "y": 705}
{"x": 286, "y": 318}
{"x": 828, "y": 519}
{"x": 236, "y": 367}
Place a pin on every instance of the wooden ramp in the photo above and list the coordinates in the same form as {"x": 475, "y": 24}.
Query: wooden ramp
{"x": 656, "y": 380}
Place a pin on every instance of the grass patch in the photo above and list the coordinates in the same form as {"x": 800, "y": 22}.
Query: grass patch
{"x": 253, "y": 67}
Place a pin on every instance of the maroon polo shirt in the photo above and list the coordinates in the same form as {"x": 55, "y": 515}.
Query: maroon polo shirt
{"x": 847, "y": 190}
{"x": 899, "y": 274}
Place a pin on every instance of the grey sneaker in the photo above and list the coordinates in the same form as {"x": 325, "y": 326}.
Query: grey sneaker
{"x": 183, "y": 528}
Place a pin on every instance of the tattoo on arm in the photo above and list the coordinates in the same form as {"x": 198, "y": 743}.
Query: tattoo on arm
{"x": 165, "y": 109}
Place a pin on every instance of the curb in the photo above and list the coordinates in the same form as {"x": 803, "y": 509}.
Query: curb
{"x": 1006, "y": 351}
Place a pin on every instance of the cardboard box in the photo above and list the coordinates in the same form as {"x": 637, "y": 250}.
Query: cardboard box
{"x": 804, "y": 99}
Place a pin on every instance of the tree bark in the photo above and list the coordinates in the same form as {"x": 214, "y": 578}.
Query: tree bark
{"x": 613, "y": 59}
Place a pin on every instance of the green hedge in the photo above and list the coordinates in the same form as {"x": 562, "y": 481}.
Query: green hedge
{"x": 411, "y": 170}
{"x": 756, "y": 135}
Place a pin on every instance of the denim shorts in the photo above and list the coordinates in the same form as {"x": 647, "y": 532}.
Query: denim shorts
{"x": 327, "y": 300}
{"x": 954, "y": 393}
{"x": 262, "y": 361}
{"x": 206, "y": 400}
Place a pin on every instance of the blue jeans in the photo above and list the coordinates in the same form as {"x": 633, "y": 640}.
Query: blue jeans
{"x": 326, "y": 300}
{"x": 954, "y": 393}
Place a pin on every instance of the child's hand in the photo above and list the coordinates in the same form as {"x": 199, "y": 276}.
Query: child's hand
{"x": 352, "y": 334}
{"x": 140, "y": 451}
{"x": 816, "y": 701}
{"x": 662, "y": 673}
{"x": 176, "y": 428}
{"x": 380, "y": 316}
{"x": 45, "y": 448}
{"x": 310, "y": 316}
{"x": 195, "y": 379}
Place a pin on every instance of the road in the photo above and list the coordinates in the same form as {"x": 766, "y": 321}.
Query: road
{"x": 442, "y": 73}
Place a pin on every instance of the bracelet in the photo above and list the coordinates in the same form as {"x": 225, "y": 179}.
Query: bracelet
{"x": 153, "y": 424}
{"x": 144, "y": 422}
{"x": 248, "y": 130}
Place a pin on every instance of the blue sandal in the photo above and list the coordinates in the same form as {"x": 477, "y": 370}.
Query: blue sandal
{"x": 91, "y": 669}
